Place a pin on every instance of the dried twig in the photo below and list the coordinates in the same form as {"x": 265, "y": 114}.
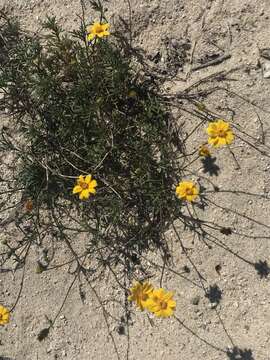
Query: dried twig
{"x": 213, "y": 62}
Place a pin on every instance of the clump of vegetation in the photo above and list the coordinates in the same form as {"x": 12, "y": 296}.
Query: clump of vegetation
{"x": 80, "y": 108}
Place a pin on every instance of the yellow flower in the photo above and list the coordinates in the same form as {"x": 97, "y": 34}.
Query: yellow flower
{"x": 4, "y": 315}
{"x": 161, "y": 303}
{"x": 204, "y": 151}
{"x": 97, "y": 30}
{"x": 140, "y": 293}
{"x": 187, "y": 190}
{"x": 219, "y": 133}
{"x": 85, "y": 186}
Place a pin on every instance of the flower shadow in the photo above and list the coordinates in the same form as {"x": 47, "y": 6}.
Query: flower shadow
{"x": 209, "y": 166}
{"x": 262, "y": 268}
{"x": 214, "y": 294}
{"x": 239, "y": 354}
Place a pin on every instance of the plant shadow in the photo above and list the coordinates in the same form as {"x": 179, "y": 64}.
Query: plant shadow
{"x": 262, "y": 268}
{"x": 240, "y": 354}
{"x": 209, "y": 166}
{"x": 214, "y": 294}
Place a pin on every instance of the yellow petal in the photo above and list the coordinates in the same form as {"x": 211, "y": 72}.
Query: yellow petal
{"x": 6, "y": 317}
{"x": 88, "y": 179}
{"x": 94, "y": 26}
{"x": 4, "y": 312}
{"x": 229, "y": 137}
{"x": 100, "y": 35}
{"x": 157, "y": 313}
{"x": 172, "y": 304}
{"x": 221, "y": 141}
{"x": 80, "y": 179}
{"x": 93, "y": 183}
{"x": 105, "y": 26}
{"x": 223, "y": 125}
{"x": 90, "y": 37}
{"x": 168, "y": 295}
{"x": 211, "y": 130}
{"x": 213, "y": 141}
{"x": 77, "y": 189}
{"x": 159, "y": 292}
{"x": 84, "y": 194}
{"x": 152, "y": 306}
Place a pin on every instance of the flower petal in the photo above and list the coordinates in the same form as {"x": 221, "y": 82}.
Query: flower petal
{"x": 84, "y": 194}
{"x": 77, "y": 189}
{"x": 4, "y": 312}
{"x": 172, "y": 304}
{"x": 93, "y": 183}
{"x": 229, "y": 137}
{"x": 213, "y": 141}
{"x": 88, "y": 179}
{"x": 168, "y": 295}
{"x": 105, "y": 26}
{"x": 90, "y": 37}
{"x": 80, "y": 179}
{"x": 222, "y": 125}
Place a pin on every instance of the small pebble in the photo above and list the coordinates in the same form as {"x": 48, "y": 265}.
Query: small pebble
{"x": 213, "y": 305}
{"x": 195, "y": 300}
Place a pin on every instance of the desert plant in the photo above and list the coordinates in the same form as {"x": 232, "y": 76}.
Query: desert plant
{"x": 94, "y": 153}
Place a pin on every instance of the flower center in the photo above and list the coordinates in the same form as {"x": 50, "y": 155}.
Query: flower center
{"x": 144, "y": 297}
{"x": 163, "y": 305}
{"x": 99, "y": 29}
{"x": 189, "y": 191}
{"x": 84, "y": 185}
{"x": 221, "y": 133}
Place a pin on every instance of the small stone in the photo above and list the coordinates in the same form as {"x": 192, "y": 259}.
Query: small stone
{"x": 195, "y": 300}
{"x": 213, "y": 305}
{"x": 175, "y": 43}
{"x": 266, "y": 69}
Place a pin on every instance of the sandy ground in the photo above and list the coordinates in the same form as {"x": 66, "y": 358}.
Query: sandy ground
{"x": 236, "y": 27}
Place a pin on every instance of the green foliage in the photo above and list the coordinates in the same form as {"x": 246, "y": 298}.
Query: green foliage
{"x": 83, "y": 109}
